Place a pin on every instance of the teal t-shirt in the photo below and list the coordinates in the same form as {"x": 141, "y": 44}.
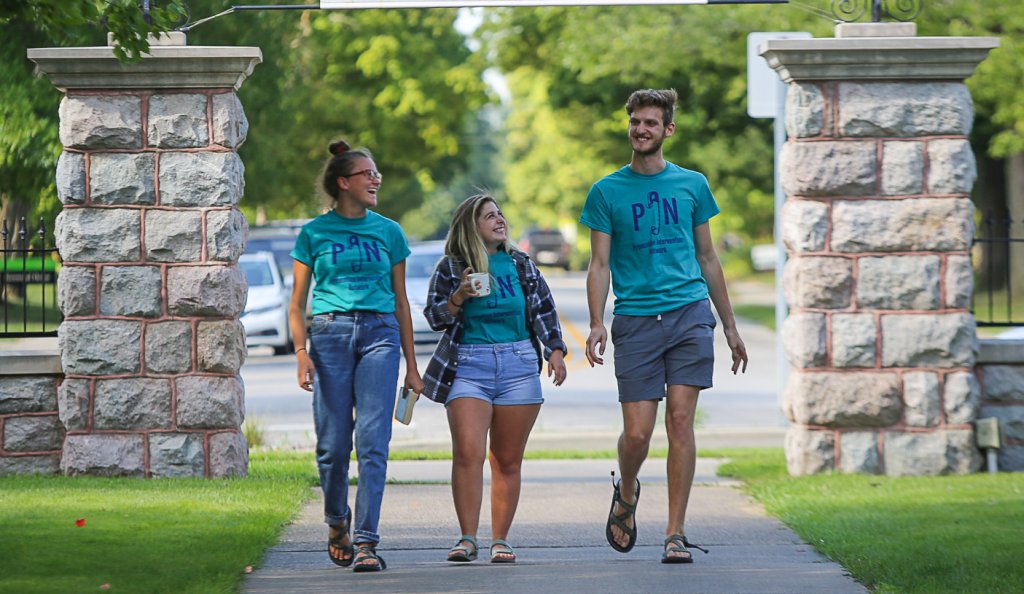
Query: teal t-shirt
{"x": 351, "y": 261}
{"x": 650, "y": 219}
{"x": 501, "y": 316}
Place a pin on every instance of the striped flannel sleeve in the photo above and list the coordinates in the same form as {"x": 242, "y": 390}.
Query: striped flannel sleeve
{"x": 546, "y": 325}
{"x": 442, "y": 284}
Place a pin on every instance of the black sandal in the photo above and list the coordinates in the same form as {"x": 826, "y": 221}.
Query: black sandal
{"x": 677, "y": 543}
{"x": 347, "y": 552}
{"x": 367, "y": 551}
{"x": 620, "y": 520}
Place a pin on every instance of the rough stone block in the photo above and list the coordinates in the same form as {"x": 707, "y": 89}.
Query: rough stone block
{"x": 122, "y": 178}
{"x": 1010, "y": 458}
{"x": 902, "y": 168}
{"x": 226, "y": 233}
{"x": 829, "y": 168}
{"x": 921, "y": 399}
{"x": 1004, "y": 383}
{"x": 898, "y": 282}
{"x": 178, "y": 120}
{"x": 99, "y": 347}
{"x": 104, "y": 454}
{"x": 76, "y": 291}
{"x": 952, "y": 168}
{"x": 229, "y": 455}
{"x": 169, "y": 347}
{"x": 833, "y": 399}
{"x": 27, "y": 393}
{"x": 206, "y": 291}
{"x": 41, "y": 464}
{"x": 132, "y": 403}
{"x": 131, "y": 291}
{"x": 221, "y": 346}
{"x": 959, "y": 282}
{"x": 1011, "y": 420}
{"x": 960, "y": 397}
{"x": 904, "y": 109}
{"x": 174, "y": 236}
{"x": 858, "y": 452}
{"x": 38, "y": 433}
{"x": 928, "y": 340}
{"x": 931, "y": 453}
{"x": 98, "y": 235}
{"x": 809, "y": 451}
{"x": 805, "y": 107}
{"x": 71, "y": 178}
{"x": 804, "y": 225}
{"x": 853, "y": 340}
{"x": 803, "y": 337}
{"x": 206, "y": 402}
{"x": 910, "y": 225}
{"x": 176, "y": 455}
{"x": 230, "y": 125}
{"x": 812, "y": 281}
{"x": 101, "y": 121}
{"x": 201, "y": 179}
{"x": 73, "y": 404}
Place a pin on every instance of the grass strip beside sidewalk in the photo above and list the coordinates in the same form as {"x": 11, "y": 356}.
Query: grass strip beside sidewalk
{"x": 899, "y": 534}
{"x": 161, "y": 535}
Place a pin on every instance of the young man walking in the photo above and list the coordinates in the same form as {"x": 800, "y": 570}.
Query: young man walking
{"x": 650, "y": 236}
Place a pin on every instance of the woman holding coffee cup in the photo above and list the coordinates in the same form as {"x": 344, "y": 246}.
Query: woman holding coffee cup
{"x": 499, "y": 323}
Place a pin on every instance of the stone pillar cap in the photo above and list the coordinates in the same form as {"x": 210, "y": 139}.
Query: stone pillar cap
{"x": 164, "y": 67}
{"x": 877, "y": 58}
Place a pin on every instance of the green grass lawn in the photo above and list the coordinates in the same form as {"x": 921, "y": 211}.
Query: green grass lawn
{"x": 37, "y": 312}
{"x": 163, "y": 535}
{"x": 907, "y": 534}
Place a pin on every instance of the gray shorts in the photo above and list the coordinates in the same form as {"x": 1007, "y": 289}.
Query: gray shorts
{"x": 674, "y": 348}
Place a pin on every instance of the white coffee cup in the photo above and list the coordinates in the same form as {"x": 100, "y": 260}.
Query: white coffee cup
{"x": 481, "y": 283}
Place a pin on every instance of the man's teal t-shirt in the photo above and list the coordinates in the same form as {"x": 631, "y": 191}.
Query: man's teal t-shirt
{"x": 650, "y": 219}
{"x": 351, "y": 261}
{"x": 501, "y": 316}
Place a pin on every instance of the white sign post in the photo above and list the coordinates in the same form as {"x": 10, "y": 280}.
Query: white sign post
{"x": 766, "y": 98}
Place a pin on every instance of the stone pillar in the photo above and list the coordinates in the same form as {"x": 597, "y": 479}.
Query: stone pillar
{"x": 878, "y": 225}
{"x": 150, "y": 236}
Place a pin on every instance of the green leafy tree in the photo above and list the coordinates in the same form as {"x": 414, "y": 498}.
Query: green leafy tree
{"x": 400, "y": 82}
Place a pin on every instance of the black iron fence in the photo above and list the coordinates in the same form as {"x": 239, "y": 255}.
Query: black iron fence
{"x": 999, "y": 271}
{"x": 28, "y": 281}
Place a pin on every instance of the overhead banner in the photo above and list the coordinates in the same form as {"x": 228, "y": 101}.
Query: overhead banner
{"x": 366, "y": 4}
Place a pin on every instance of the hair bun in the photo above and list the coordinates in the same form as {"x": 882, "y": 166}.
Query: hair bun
{"x": 338, "y": 147}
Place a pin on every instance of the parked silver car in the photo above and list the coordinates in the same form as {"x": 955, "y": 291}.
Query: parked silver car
{"x": 419, "y": 267}
{"x": 265, "y": 317}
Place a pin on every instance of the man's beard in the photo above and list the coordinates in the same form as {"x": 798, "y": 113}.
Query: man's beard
{"x": 655, "y": 148}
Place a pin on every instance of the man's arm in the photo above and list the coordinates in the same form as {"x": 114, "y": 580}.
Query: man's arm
{"x": 711, "y": 268}
{"x": 598, "y": 277}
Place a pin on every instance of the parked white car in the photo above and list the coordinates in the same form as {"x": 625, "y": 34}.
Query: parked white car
{"x": 265, "y": 317}
{"x": 419, "y": 267}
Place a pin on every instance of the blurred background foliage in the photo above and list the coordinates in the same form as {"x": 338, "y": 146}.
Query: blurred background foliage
{"x": 408, "y": 85}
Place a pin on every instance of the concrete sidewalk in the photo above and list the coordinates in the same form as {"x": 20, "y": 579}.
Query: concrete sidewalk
{"x": 559, "y": 539}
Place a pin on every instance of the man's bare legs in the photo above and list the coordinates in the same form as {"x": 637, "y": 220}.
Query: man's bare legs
{"x": 638, "y": 419}
{"x": 682, "y": 455}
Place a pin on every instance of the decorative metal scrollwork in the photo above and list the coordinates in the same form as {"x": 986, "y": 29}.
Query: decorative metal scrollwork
{"x": 850, "y": 11}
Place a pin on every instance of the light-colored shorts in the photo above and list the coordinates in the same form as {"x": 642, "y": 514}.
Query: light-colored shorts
{"x": 674, "y": 348}
{"x": 502, "y": 374}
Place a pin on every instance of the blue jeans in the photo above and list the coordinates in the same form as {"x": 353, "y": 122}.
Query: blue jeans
{"x": 356, "y": 357}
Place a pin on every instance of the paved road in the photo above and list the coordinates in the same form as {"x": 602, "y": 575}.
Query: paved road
{"x": 581, "y": 413}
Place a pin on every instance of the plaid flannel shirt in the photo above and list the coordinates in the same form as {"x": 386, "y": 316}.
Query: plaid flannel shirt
{"x": 542, "y": 320}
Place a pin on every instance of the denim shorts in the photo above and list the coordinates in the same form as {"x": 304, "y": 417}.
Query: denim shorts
{"x": 502, "y": 374}
{"x": 674, "y": 348}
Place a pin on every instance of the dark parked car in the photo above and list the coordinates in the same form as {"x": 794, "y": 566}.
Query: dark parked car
{"x": 547, "y": 247}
